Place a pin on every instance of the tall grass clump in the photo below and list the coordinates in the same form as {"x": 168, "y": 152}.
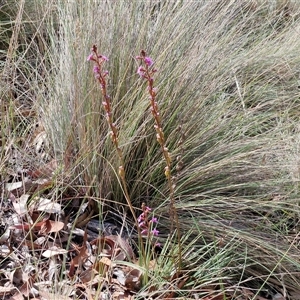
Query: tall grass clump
{"x": 23, "y": 49}
{"x": 228, "y": 89}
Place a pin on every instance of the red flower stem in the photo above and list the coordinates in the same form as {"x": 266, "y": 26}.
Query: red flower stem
{"x": 100, "y": 76}
{"x": 147, "y": 74}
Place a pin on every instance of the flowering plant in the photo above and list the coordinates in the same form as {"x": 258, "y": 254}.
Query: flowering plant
{"x": 145, "y": 224}
{"x": 146, "y": 71}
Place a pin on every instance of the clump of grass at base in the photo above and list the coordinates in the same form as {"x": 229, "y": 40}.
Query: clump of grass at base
{"x": 143, "y": 225}
{"x": 229, "y": 76}
{"x": 20, "y": 77}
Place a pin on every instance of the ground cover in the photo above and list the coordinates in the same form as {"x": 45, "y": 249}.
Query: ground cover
{"x": 183, "y": 184}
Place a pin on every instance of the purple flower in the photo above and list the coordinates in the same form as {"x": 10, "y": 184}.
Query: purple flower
{"x": 141, "y": 218}
{"x": 103, "y": 57}
{"x": 141, "y": 71}
{"x": 96, "y": 69}
{"x": 155, "y": 232}
{"x": 144, "y": 231}
{"x": 90, "y": 57}
{"x": 154, "y": 220}
{"x": 141, "y": 224}
{"x": 148, "y": 61}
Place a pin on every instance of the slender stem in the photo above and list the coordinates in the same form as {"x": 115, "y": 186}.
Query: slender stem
{"x": 100, "y": 76}
{"x": 147, "y": 71}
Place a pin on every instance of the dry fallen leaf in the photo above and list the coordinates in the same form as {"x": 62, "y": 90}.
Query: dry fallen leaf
{"x": 26, "y": 287}
{"x": 45, "y": 205}
{"x": 45, "y": 171}
{"x": 133, "y": 282}
{"x": 13, "y": 186}
{"x": 20, "y": 204}
{"x": 39, "y": 140}
{"x": 79, "y": 259}
{"x": 115, "y": 247}
{"x": 106, "y": 261}
{"x": 6, "y": 290}
{"x": 20, "y": 187}
{"x": 88, "y": 275}
{"x": 17, "y": 296}
{"x": 51, "y": 226}
{"x": 120, "y": 276}
{"x": 43, "y": 227}
{"x": 54, "y": 251}
{"x": 102, "y": 266}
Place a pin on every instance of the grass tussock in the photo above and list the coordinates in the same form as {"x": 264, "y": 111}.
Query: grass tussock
{"x": 228, "y": 92}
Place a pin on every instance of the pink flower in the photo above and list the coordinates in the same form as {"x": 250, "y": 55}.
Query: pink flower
{"x": 155, "y": 232}
{"x": 103, "y": 57}
{"x": 141, "y": 224}
{"x": 96, "y": 69}
{"x": 144, "y": 231}
{"x": 141, "y": 218}
{"x": 90, "y": 57}
{"x": 141, "y": 71}
{"x": 154, "y": 220}
{"x": 148, "y": 61}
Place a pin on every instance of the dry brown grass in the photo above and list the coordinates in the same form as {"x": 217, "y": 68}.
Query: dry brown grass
{"x": 228, "y": 73}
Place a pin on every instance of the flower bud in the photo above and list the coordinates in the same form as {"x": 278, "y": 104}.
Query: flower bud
{"x": 112, "y": 136}
{"x": 121, "y": 172}
{"x": 167, "y": 172}
{"x": 158, "y": 139}
{"x": 168, "y": 158}
{"x": 105, "y": 105}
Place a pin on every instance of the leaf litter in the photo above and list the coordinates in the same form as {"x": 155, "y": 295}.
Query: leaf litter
{"x": 39, "y": 247}
{"x": 45, "y": 255}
